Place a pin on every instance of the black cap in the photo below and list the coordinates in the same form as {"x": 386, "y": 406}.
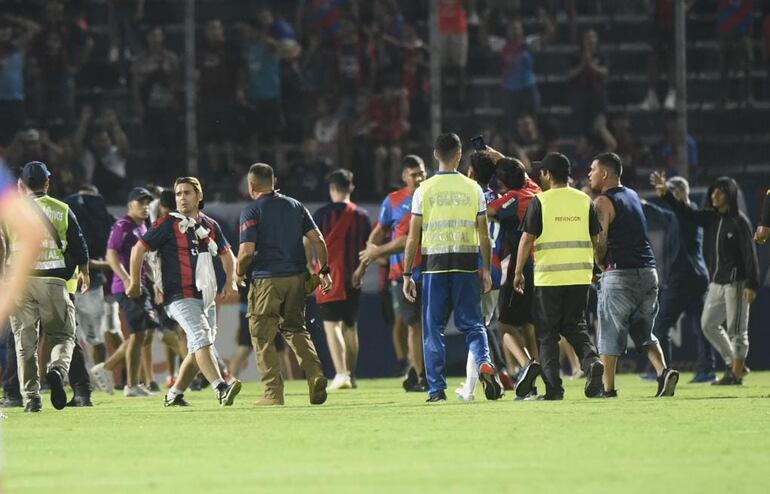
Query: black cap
{"x": 139, "y": 193}
{"x": 556, "y": 163}
{"x": 34, "y": 174}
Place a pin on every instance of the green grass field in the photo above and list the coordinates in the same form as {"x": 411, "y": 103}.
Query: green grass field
{"x": 379, "y": 439}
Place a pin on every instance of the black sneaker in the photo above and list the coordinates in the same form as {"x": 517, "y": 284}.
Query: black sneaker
{"x": 58, "y": 394}
{"x": 178, "y": 401}
{"x": 728, "y": 379}
{"x": 80, "y": 401}
{"x": 667, "y": 383}
{"x": 34, "y": 405}
{"x": 527, "y": 378}
{"x": 9, "y": 402}
{"x": 606, "y": 394}
{"x": 436, "y": 397}
{"x": 153, "y": 386}
{"x": 420, "y": 386}
{"x": 551, "y": 397}
{"x": 196, "y": 384}
{"x": 493, "y": 388}
{"x": 227, "y": 395}
{"x": 411, "y": 380}
{"x": 594, "y": 379}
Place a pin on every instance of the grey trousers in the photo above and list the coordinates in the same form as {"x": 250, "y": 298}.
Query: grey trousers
{"x": 726, "y": 304}
{"x": 45, "y": 306}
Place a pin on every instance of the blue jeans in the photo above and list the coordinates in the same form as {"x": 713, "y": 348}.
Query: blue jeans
{"x": 628, "y": 304}
{"x": 443, "y": 293}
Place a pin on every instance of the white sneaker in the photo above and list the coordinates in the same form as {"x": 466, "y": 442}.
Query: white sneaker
{"x": 146, "y": 390}
{"x": 670, "y": 102}
{"x": 135, "y": 392}
{"x": 463, "y": 396}
{"x": 340, "y": 381}
{"x": 113, "y": 55}
{"x": 103, "y": 378}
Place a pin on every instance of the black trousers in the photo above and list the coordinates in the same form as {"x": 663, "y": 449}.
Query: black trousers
{"x": 78, "y": 373}
{"x": 561, "y": 311}
{"x": 10, "y": 376}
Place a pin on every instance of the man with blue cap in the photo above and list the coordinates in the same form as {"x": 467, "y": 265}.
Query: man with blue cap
{"x": 46, "y": 303}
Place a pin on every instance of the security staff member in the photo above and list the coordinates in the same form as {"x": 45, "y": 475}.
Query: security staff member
{"x": 449, "y": 213}
{"x": 273, "y": 228}
{"x": 46, "y": 303}
{"x": 562, "y": 226}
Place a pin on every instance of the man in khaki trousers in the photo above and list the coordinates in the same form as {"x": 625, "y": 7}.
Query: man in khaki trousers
{"x": 46, "y": 304}
{"x": 272, "y": 230}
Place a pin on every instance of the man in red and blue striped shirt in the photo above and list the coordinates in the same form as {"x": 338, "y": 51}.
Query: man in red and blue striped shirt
{"x": 346, "y": 227}
{"x": 183, "y": 239}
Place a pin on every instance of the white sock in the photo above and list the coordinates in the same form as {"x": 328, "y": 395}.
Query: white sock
{"x": 471, "y": 375}
{"x": 173, "y": 393}
{"x": 215, "y": 384}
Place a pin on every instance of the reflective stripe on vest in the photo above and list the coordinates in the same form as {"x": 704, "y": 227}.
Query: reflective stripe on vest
{"x": 450, "y": 207}
{"x": 563, "y": 251}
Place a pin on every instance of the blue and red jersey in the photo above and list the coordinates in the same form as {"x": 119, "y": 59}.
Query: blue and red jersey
{"x": 395, "y": 215}
{"x": 357, "y": 232}
{"x": 498, "y": 246}
{"x": 510, "y": 209}
{"x": 735, "y": 16}
{"x": 179, "y": 253}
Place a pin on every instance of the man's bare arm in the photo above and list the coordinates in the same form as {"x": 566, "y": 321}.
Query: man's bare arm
{"x": 606, "y": 212}
{"x": 245, "y": 254}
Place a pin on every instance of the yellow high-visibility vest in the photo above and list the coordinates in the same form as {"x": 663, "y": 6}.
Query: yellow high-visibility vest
{"x": 450, "y": 208}
{"x": 564, "y": 252}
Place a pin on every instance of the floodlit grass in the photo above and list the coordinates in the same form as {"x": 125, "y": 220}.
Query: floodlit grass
{"x": 379, "y": 439}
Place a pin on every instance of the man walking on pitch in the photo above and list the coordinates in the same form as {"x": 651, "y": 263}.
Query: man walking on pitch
{"x": 562, "y": 226}
{"x": 186, "y": 241}
{"x": 628, "y": 294}
{"x": 272, "y": 253}
{"x": 345, "y": 226}
{"x": 449, "y": 220}
{"x": 732, "y": 261}
{"x": 46, "y": 304}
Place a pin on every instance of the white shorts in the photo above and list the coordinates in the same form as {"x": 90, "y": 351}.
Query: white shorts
{"x": 95, "y": 316}
{"x": 199, "y": 326}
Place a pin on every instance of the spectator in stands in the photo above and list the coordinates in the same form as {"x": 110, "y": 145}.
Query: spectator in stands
{"x": 667, "y": 154}
{"x": 122, "y": 18}
{"x": 662, "y": 41}
{"x": 62, "y": 48}
{"x": 307, "y": 177}
{"x": 259, "y": 90}
{"x": 32, "y": 145}
{"x": 103, "y": 154}
{"x": 590, "y": 144}
{"x": 351, "y": 65}
{"x": 415, "y": 77}
{"x": 389, "y": 29}
{"x": 587, "y": 79}
{"x": 217, "y": 85}
{"x": 155, "y": 87}
{"x": 453, "y": 32}
{"x": 735, "y": 20}
{"x": 13, "y": 47}
{"x": 527, "y": 136}
{"x": 53, "y": 81}
{"x": 631, "y": 150}
{"x": 557, "y": 10}
{"x": 315, "y": 66}
{"x": 326, "y": 132}
{"x": 386, "y": 122}
{"x": 520, "y": 94}
{"x": 324, "y": 16}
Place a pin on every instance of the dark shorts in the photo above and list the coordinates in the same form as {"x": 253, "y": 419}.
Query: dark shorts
{"x": 516, "y": 309}
{"x": 138, "y": 313}
{"x": 410, "y": 312}
{"x": 345, "y": 311}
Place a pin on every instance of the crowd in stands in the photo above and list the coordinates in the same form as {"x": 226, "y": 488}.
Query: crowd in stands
{"x": 315, "y": 85}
